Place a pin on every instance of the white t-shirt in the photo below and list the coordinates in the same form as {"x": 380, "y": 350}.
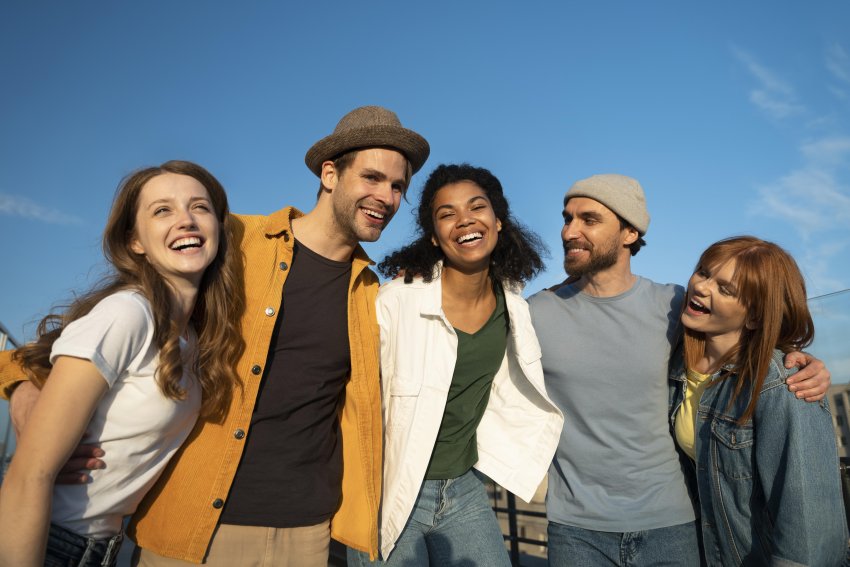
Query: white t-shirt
{"x": 137, "y": 427}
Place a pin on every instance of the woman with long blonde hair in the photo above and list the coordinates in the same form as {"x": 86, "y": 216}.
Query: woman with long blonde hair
{"x": 764, "y": 465}
{"x": 128, "y": 366}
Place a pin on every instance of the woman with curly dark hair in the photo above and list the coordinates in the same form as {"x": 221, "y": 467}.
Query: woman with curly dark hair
{"x": 127, "y": 367}
{"x": 461, "y": 376}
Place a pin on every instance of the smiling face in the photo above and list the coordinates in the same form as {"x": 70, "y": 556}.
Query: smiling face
{"x": 366, "y": 195}
{"x": 593, "y": 237}
{"x": 713, "y": 305}
{"x": 176, "y": 228}
{"x": 465, "y": 226}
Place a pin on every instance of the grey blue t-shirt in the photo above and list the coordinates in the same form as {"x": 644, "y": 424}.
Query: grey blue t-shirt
{"x": 605, "y": 362}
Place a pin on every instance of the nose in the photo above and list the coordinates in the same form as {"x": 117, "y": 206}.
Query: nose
{"x": 187, "y": 220}
{"x": 385, "y": 195}
{"x": 700, "y": 285}
{"x": 464, "y": 218}
{"x": 568, "y": 232}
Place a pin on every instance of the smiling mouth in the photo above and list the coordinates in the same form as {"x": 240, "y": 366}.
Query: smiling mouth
{"x": 373, "y": 214}
{"x": 575, "y": 248}
{"x": 471, "y": 237}
{"x": 698, "y": 307}
{"x": 186, "y": 243}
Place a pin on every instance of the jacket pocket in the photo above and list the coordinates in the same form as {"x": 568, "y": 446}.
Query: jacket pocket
{"x": 401, "y": 402}
{"x": 733, "y": 446}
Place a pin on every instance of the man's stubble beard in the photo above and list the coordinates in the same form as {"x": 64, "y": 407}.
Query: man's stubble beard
{"x": 597, "y": 262}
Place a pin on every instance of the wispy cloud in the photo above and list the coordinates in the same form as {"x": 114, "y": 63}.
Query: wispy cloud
{"x": 18, "y": 206}
{"x": 838, "y": 63}
{"x": 812, "y": 199}
{"x": 814, "y": 202}
{"x": 773, "y": 95}
{"x": 834, "y": 150}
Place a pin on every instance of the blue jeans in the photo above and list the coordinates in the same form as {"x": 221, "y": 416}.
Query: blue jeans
{"x": 67, "y": 549}
{"x": 668, "y": 547}
{"x": 452, "y": 523}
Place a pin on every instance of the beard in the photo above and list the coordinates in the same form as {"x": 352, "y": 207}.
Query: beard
{"x": 598, "y": 261}
{"x": 346, "y": 213}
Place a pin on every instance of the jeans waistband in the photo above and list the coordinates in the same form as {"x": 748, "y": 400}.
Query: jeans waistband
{"x": 100, "y": 552}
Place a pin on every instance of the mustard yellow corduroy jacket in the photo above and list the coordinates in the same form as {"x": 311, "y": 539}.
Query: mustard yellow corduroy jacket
{"x": 178, "y": 516}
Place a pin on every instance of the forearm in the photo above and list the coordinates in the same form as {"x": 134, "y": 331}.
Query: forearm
{"x": 24, "y": 517}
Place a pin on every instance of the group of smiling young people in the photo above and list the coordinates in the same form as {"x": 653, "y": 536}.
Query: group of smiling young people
{"x": 131, "y": 365}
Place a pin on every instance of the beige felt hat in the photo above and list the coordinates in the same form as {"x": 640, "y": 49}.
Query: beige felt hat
{"x": 368, "y": 127}
{"x": 621, "y": 194}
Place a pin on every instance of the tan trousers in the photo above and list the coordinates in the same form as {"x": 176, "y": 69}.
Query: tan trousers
{"x": 251, "y": 546}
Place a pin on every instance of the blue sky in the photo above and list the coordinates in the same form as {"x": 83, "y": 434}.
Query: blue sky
{"x": 735, "y": 116}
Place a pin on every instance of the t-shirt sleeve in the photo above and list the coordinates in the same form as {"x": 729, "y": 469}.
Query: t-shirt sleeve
{"x": 112, "y": 335}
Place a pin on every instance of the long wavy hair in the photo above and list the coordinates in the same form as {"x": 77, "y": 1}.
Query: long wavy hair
{"x": 217, "y": 311}
{"x": 516, "y": 258}
{"x": 773, "y": 291}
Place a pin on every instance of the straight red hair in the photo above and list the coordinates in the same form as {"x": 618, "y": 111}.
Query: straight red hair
{"x": 773, "y": 291}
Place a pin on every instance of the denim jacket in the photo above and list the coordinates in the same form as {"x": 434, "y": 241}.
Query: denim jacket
{"x": 769, "y": 490}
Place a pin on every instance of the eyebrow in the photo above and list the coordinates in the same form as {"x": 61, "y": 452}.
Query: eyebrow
{"x": 469, "y": 202}
{"x": 369, "y": 171}
{"x": 168, "y": 200}
{"x": 382, "y": 176}
{"x": 583, "y": 215}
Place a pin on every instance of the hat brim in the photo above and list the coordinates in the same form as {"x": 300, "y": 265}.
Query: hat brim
{"x": 414, "y": 147}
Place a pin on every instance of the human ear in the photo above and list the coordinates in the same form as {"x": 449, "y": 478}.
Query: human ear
{"x": 498, "y": 225}
{"x": 329, "y": 175}
{"x": 631, "y": 236}
{"x": 136, "y": 246}
{"x": 434, "y": 241}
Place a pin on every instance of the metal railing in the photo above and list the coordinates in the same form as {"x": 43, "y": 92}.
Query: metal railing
{"x": 512, "y": 537}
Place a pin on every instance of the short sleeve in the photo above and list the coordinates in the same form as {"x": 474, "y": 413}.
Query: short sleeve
{"x": 112, "y": 336}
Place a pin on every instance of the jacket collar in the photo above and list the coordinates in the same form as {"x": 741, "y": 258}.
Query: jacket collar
{"x": 279, "y": 223}
{"x": 433, "y": 303}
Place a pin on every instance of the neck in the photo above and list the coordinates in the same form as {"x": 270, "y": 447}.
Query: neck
{"x": 470, "y": 287}
{"x": 183, "y": 297}
{"x": 318, "y": 232}
{"x": 607, "y": 283}
{"x": 716, "y": 350}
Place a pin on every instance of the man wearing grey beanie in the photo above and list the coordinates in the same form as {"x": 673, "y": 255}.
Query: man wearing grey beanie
{"x": 616, "y": 494}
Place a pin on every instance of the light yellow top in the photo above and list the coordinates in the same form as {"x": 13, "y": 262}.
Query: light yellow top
{"x": 686, "y": 417}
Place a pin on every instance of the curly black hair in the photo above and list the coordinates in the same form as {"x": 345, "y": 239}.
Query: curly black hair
{"x": 516, "y": 258}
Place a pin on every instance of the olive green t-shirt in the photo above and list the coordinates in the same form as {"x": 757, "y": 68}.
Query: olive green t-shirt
{"x": 479, "y": 356}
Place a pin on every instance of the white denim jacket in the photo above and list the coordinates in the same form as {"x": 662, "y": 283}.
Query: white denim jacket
{"x": 519, "y": 431}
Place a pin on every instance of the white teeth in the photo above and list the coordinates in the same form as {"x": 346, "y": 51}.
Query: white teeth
{"x": 186, "y": 242}
{"x": 468, "y": 237}
{"x": 699, "y": 306}
{"x": 374, "y": 214}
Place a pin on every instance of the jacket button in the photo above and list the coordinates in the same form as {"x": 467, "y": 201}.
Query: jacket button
{"x": 284, "y": 266}
{"x": 269, "y": 311}
{"x": 218, "y": 503}
{"x": 239, "y": 433}
{"x": 256, "y": 369}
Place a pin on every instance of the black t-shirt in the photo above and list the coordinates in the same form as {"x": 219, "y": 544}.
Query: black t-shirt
{"x": 291, "y": 471}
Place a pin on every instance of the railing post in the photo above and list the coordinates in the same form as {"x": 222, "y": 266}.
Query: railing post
{"x": 512, "y": 529}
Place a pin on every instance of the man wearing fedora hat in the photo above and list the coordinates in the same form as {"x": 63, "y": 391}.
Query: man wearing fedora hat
{"x": 297, "y": 458}
{"x": 616, "y": 493}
